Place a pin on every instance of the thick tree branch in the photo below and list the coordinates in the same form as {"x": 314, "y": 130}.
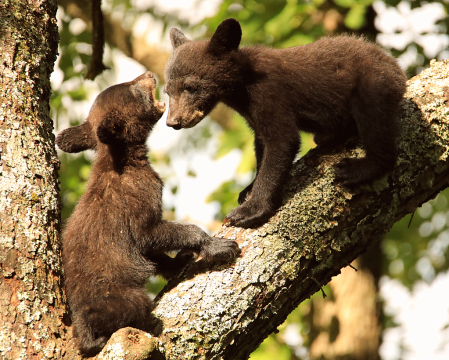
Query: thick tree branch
{"x": 225, "y": 313}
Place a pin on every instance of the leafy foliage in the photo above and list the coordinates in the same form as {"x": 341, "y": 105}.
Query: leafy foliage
{"x": 73, "y": 176}
{"x": 284, "y": 23}
{"x": 421, "y": 251}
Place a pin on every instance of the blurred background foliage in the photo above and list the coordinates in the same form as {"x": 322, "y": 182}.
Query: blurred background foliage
{"x": 414, "y": 250}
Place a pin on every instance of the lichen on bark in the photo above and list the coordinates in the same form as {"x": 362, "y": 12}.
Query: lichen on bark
{"x": 31, "y": 301}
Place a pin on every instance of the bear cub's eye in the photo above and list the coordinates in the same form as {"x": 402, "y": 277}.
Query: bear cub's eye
{"x": 189, "y": 87}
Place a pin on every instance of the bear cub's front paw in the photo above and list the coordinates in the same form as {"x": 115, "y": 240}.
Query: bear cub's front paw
{"x": 220, "y": 250}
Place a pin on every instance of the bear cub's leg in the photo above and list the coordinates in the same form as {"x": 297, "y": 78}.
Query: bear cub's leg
{"x": 376, "y": 118}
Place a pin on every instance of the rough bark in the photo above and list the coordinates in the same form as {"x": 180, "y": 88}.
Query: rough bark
{"x": 32, "y": 305}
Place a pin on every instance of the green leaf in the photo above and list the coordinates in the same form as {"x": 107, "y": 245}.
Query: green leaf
{"x": 248, "y": 160}
{"x": 56, "y": 101}
{"x": 234, "y": 138}
{"x": 345, "y": 3}
{"x": 355, "y": 18}
{"x": 298, "y": 39}
{"x": 191, "y": 173}
{"x": 226, "y": 195}
{"x": 79, "y": 94}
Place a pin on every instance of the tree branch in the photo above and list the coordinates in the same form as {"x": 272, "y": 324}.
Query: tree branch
{"x": 226, "y": 312}
{"x": 96, "y": 66}
{"x": 151, "y": 57}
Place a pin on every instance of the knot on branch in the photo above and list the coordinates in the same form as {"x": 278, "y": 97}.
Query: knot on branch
{"x": 128, "y": 344}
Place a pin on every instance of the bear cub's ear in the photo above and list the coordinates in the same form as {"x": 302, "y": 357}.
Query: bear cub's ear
{"x": 177, "y": 38}
{"x": 227, "y": 37}
{"x": 111, "y": 128}
{"x": 77, "y": 138}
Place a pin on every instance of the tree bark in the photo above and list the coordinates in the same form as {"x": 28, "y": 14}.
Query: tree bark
{"x": 33, "y": 314}
{"x": 219, "y": 313}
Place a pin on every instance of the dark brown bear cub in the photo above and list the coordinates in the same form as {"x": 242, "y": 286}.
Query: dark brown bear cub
{"x": 334, "y": 88}
{"x": 116, "y": 238}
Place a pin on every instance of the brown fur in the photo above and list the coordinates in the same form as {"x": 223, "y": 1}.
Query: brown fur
{"x": 116, "y": 238}
{"x": 335, "y": 88}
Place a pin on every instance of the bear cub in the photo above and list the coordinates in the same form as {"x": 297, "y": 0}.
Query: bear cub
{"x": 334, "y": 88}
{"x": 116, "y": 238}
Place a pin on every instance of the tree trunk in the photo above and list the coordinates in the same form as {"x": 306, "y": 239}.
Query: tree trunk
{"x": 223, "y": 312}
{"x": 346, "y": 325}
{"x": 33, "y": 314}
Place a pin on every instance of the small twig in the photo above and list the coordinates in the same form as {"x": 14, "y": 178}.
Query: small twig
{"x": 352, "y": 267}
{"x": 411, "y": 218}
{"x": 96, "y": 65}
{"x": 321, "y": 288}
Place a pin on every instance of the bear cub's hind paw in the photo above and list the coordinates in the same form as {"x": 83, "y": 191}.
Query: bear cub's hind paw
{"x": 353, "y": 172}
{"x": 249, "y": 214}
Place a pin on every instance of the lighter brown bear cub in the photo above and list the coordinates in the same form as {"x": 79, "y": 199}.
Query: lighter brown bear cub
{"x": 116, "y": 238}
{"x": 334, "y": 88}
